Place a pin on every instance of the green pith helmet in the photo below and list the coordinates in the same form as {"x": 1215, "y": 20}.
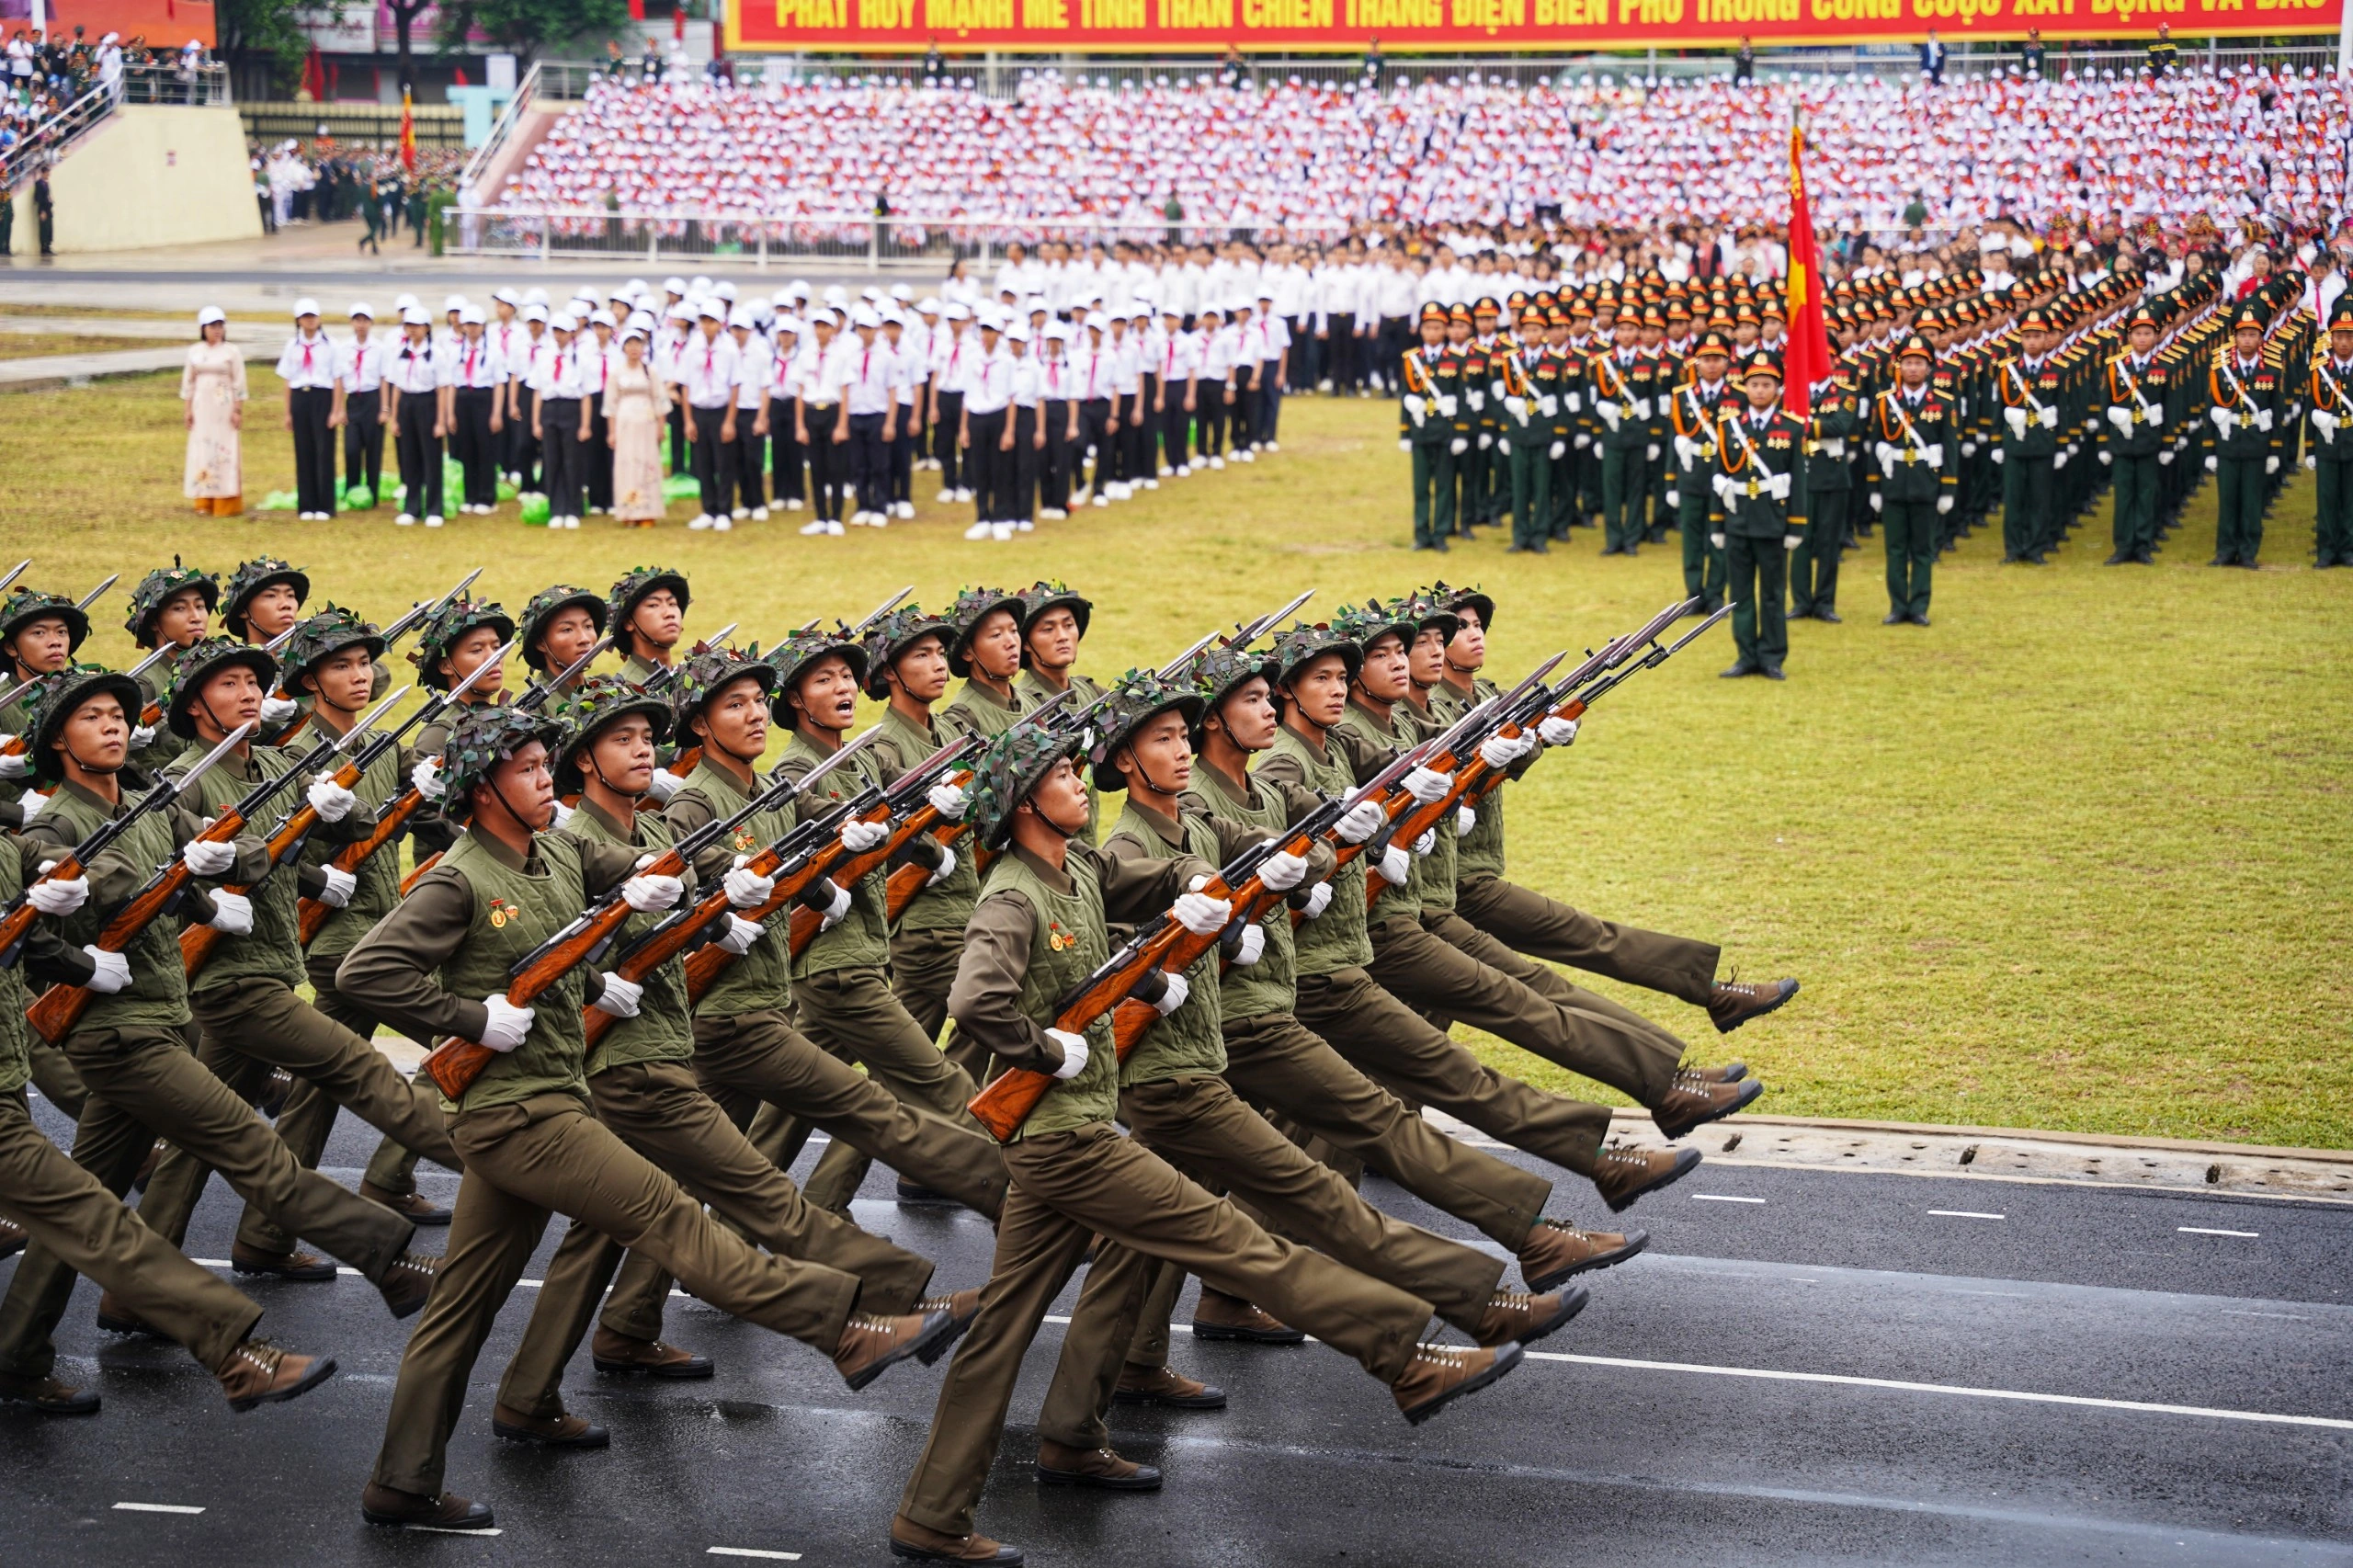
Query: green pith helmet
{"x": 321, "y": 637}
{"x": 54, "y": 701}
{"x": 1303, "y": 644}
{"x": 798, "y": 652}
{"x": 484, "y": 737}
{"x": 156, "y": 589}
{"x": 1425, "y": 613}
{"x": 545, "y": 606}
{"x": 199, "y": 663}
{"x": 1008, "y": 769}
{"x": 1219, "y": 672}
{"x": 1133, "y": 699}
{"x": 893, "y": 635}
{"x": 1042, "y": 595}
{"x": 600, "y": 700}
{"x": 444, "y": 631}
{"x": 1367, "y": 625}
{"x": 1472, "y": 596}
{"x": 250, "y": 578}
{"x": 632, "y": 590}
{"x": 24, "y": 606}
{"x": 702, "y": 676}
{"x": 973, "y": 606}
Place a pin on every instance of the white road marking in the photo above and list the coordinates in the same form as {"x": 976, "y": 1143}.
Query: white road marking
{"x": 156, "y": 1508}
{"x": 210, "y": 1262}
{"x": 2283, "y": 1317}
{"x": 2265, "y": 1418}
{"x": 1722, "y": 1197}
{"x": 444, "y": 1529}
{"x": 2204, "y": 1231}
{"x": 1967, "y": 1214}
{"x": 753, "y": 1552}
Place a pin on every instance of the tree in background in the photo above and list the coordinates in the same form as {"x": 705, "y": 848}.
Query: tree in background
{"x": 531, "y": 27}
{"x": 261, "y": 37}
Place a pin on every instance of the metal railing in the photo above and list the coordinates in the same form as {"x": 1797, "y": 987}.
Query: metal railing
{"x": 352, "y": 124}
{"x": 44, "y": 143}
{"x": 502, "y": 131}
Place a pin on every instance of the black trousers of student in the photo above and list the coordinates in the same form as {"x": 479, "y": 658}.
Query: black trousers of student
{"x": 784, "y": 450}
{"x": 600, "y": 458}
{"x": 917, "y": 434}
{"x": 476, "y": 444}
{"x": 828, "y": 461}
{"x": 1209, "y": 398}
{"x": 707, "y": 459}
{"x": 363, "y": 443}
{"x": 869, "y": 462}
{"x": 1175, "y": 424}
{"x": 743, "y": 484}
{"x": 677, "y": 440}
{"x": 1123, "y": 439}
{"x": 953, "y": 463}
{"x": 313, "y": 448}
{"x": 1094, "y": 435}
{"x": 419, "y": 453}
{"x": 1389, "y": 358}
{"x": 1024, "y": 462}
{"x": 1055, "y": 461}
{"x": 903, "y": 456}
{"x": 989, "y": 471}
{"x": 566, "y": 458}
{"x": 1243, "y": 414}
{"x": 523, "y": 448}
{"x": 1306, "y": 356}
{"x": 1339, "y": 351}
{"x": 1142, "y": 430}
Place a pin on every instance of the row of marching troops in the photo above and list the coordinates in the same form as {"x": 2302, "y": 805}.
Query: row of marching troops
{"x": 654, "y": 951}
{"x": 1602, "y": 409}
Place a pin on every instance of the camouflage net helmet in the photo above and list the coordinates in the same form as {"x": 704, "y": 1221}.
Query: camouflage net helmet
{"x": 1368, "y": 624}
{"x": 893, "y": 635}
{"x": 1008, "y": 769}
{"x": 704, "y": 675}
{"x": 545, "y": 606}
{"x": 1221, "y": 671}
{"x": 1134, "y": 698}
{"x": 445, "y": 631}
{"x": 581, "y": 714}
{"x": 157, "y": 588}
{"x": 187, "y": 671}
{"x": 1042, "y": 595}
{"x": 321, "y": 637}
{"x": 797, "y": 652}
{"x": 1426, "y": 614}
{"x": 1303, "y": 643}
{"x": 1468, "y": 597}
{"x": 635, "y": 587}
{"x": 53, "y": 701}
{"x": 250, "y": 578}
{"x": 972, "y": 607}
{"x": 24, "y": 606}
{"x": 484, "y": 737}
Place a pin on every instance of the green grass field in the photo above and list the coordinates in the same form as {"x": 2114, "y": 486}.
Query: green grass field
{"x": 2075, "y": 857}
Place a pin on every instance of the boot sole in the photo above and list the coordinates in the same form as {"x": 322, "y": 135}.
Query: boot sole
{"x": 683, "y": 1373}
{"x": 1635, "y": 1241}
{"x": 922, "y": 1554}
{"x": 45, "y": 1408}
{"x": 1572, "y": 1301}
{"x": 1249, "y": 1336}
{"x": 928, "y": 1347}
{"x": 1773, "y": 1005}
{"x": 601, "y": 1438}
{"x": 133, "y": 1327}
{"x": 1751, "y": 1090}
{"x": 1507, "y": 1357}
{"x": 1100, "y": 1483}
{"x": 1685, "y": 1162}
{"x": 1170, "y": 1402}
{"x": 402, "y": 1521}
{"x": 322, "y": 1275}
{"x": 321, "y": 1370}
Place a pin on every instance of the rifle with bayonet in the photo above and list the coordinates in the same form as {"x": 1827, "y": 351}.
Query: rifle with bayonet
{"x": 418, "y": 613}
{"x": 16, "y": 746}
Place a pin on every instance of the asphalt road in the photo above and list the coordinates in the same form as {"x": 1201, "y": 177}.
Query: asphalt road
{"x": 1810, "y": 1367}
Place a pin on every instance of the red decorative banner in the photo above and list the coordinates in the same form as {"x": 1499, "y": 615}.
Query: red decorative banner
{"x": 1169, "y": 26}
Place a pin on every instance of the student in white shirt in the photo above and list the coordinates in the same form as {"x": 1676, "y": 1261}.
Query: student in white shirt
{"x": 479, "y": 378}
{"x": 744, "y": 484}
{"x": 1212, "y": 383}
{"x": 359, "y": 405}
{"x": 559, "y": 419}
{"x": 598, "y": 353}
{"x": 706, "y": 372}
{"x": 907, "y": 376}
{"x": 1179, "y": 355}
{"x": 863, "y": 364}
{"x": 418, "y": 414}
{"x": 1057, "y": 421}
{"x": 522, "y": 368}
{"x": 984, "y": 432}
{"x": 818, "y": 420}
{"x": 1028, "y": 435}
{"x": 307, "y": 367}
{"x": 780, "y": 416}
{"x": 1271, "y": 336}
{"x": 1094, "y": 369}
{"x": 955, "y": 349}
{"x": 1134, "y": 470}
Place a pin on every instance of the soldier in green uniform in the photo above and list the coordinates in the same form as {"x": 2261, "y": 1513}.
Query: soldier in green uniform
{"x": 1428, "y": 393}
{"x": 1912, "y": 431}
{"x": 2244, "y": 393}
{"x": 2138, "y": 429}
{"x": 1757, "y": 517}
{"x": 1694, "y": 409}
{"x": 1528, "y": 434}
{"x": 39, "y": 633}
{"x": 2032, "y": 395}
{"x": 1626, "y": 390}
{"x": 1835, "y": 417}
{"x": 648, "y": 616}
{"x": 172, "y": 604}
{"x": 2330, "y": 400}
{"x": 559, "y": 625}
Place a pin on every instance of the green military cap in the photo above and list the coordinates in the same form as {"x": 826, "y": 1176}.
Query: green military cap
{"x": 635, "y": 587}
{"x": 484, "y": 737}
{"x": 154, "y": 589}
{"x": 972, "y": 606}
{"x": 895, "y": 634}
{"x": 1043, "y": 595}
{"x": 318, "y": 638}
{"x": 549, "y": 603}
{"x": 1369, "y": 624}
{"x": 1135, "y": 697}
{"x": 798, "y": 652}
{"x": 1221, "y": 671}
{"x": 443, "y": 632}
{"x": 706, "y": 674}
{"x": 1426, "y": 614}
{"x": 1008, "y": 769}
{"x": 580, "y": 715}
{"x": 1303, "y": 643}
{"x": 24, "y": 606}
{"x": 55, "y": 700}
{"x": 1472, "y": 596}
{"x": 250, "y": 578}
{"x": 200, "y": 662}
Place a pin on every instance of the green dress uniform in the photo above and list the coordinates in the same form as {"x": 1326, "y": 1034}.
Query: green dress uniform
{"x": 2034, "y": 409}
{"x": 1836, "y": 419}
{"x": 1760, "y": 500}
{"x": 1431, "y": 387}
{"x": 2331, "y": 451}
{"x": 1527, "y": 441}
{"x": 1693, "y": 410}
{"x": 1918, "y": 456}
{"x": 1627, "y": 391}
{"x": 2139, "y": 418}
{"x": 2246, "y": 398}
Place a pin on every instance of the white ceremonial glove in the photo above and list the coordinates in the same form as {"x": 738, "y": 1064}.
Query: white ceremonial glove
{"x": 1478, "y": 401}
{"x": 1933, "y": 456}
{"x": 1396, "y": 868}
{"x": 858, "y": 835}
{"x": 562, "y": 818}
{"x": 1558, "y": 450}
{"x": 2106, "y": 457}
{"x": 508, "y": 1023}
{"x": 1610, "y": 412}
{"x": 746, "y": 889}
{"x": 1496, "y": 389}
{"x": 1445, "y": 405}
{"x": 341, "y": 885}
{"x": 1642, "y": 408}
{"x": 2263, "y": 420}
{"x": 2047, "y": 416}
{"x": 2325, "y": 422}
{"x": 1834, "y": 447}
{"x": 2271, "y": 464}
{"x": 651, "y": 895}
{"x": 1576, "y": 402}
{"x": 1556, "y": 732}
{"x": 15, "y": 764}
{"x": 53, "y": 895}
{"x": 619, "y": 996}
{"x": 113, "y": 972}
{"x": 1199, "y": 913}
{"x": 1252, "y": 945}
{"x": 2224, "y": 420}
{"x": 2154, "y": 414}
{"x": 1426, "y": 844}
{"x": 1176, "y": 991}
{"x": 740, "y": 935}
{"x": 1487, "y": 439}
{"x": 330, "y": 799}
{"x": 1968, "y": 449}
{"x": 1944, "y": 504}
{"x": 1548, "y": 405}
{"x": 1790, "y": 542}
{"x": 1404, "y": 445}
{"x": 2165, "y": 460}
{"x": 1583, "y": 441}
{"x": 1500, "y": 751}
{"x": 1361, "y": 822}
{"x": 142, "y": 736}
{"x": 2121, "y": 417}
{"x": 233, "y": 914}
{"x": 1687, "y": 453}
{"x": 837, "y": 909}
{"x": 1779, "y": 487}
{"x": 2058, "y": 461}
{"x": 1282, "y": 871}
{"x": 30, "y": 805}
{"x": 1724, "y": 485}
{"x": 425, "y": 778}
{"x": 1997, "y": 455}
{"x": 1675, "y": 498}
{"x": 945, "y": 869}
{"x": 1417, "y": 406}
{"x": 1649, "y": 452}
{"x": 2312, "y": 462}
{"x": 208, "y": 858}
{"x": 1319, "y": 898}
{"x": 1425, "y": 786}
{"x": 1876, "y": 501}
{"x": 664, "y": 784}
{"x": 2211, "y": 465}
{"x": 1075, "y": 1050}
{"x": 1517, "y": 407}
{"x": 1466, "y": 821}
{"x": 1885, "y": 452}
{"x": 277, "y": 709}
{"x": 1716, "y": 540}
{"x": 1458, "y": 446}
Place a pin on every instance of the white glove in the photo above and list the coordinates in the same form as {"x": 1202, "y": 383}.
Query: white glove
{"x": 665, "y": 785}
{"x": 1547, "y": 405}
{"x": 740, "y": 935}
{"x": 1675, "y": 498}
{"x": 2121, "y": 417}
{"x": 1361, "y": 822}
{"x": 507, "y": 1026}
{"x": 2271, "y": 464}
{"x": 1319, "y": 898}
{"x": 562, "y": 818}
{"x": 1500, "y": 751}
{"x": 2154, "y": 414}
{"x": 1777, "y": 487}
{"x": 1576, "y": 402}
{"x": 1466, "y": 821}
{"x": 277, "y": 709}
{"x": 113, "y": 972}
{"x": 233, "y": 914}
{"x": 746, "y": 889}
{"x": 2164, "y": 458}
{"x": 1558, "y": 450}
{"x": 1687, "y": 452}
{"x": 208, "y": 858}
{"x": 341, "y": 885}
{"x": 2312, "y": 462}
{"x": 1716, "y": 540}
{"x": 2047, "y": 416}
{"x": 1968, "y": 449}
{"x": 2106, "y": 457}
{"x": 15, "y": 764}
{"x": 1649, "y": 452}
{"x": 1517, "y": 407}
{"x": 619, "y": 996}
{"x": 837, "y": 909}
{"x": 1426, "y": 843}
{"x": 59, "y": 897}
{"x": 30, "y": 805}
{"x": 2058, "y": 461}
{"x": 2212, "y": 466}
{"x": 1885, "y": 452}
{"x": 1417, "y": 406}
{"x": 1496, "y": 389}
{"x": 1075, "y": 1052}
{"x": 1445, "y": 405}
{"x": 1642, "y": 408}
{"x": 1458, "y": 446}
{"x": 1425, "y": 786}
{"x": 1403, "y": 444}
{"x": 1610, "y": 412}
{"x": 1556, "y": 732}
{"x": 858, "y": 835}
{"x": 426, "y": 777}
{"x": 330, "y": 799}
{"x": 1944, "y": 504}
{"x": 2263, "y": 420}
{"x": 1933, "y": 456}
{"x": 1395, "y": 868}
{"x": 1176, "y": 991}
{"x": 2325, "y": 422}
{"x": 1834, "y": 447}
{"x": 946, "y": 868}
{"x": 1487, "y": 439}
{"x": 1199, "y": 913}
{"x": 1790, "y": 542}
{"x": 1583, "y": 441}
{"x": 1876, "y": 501}
{"x": 1997, "y": 455}
{"x": 2224, "y": 420}
{"x": 650, "y": 896}
{"x": 1725, "y": 486}
{"x": 1478, "y": 401}
{"x": 1282, "y": 871}
{"x": 142, "y": 736}
{"x": 1253, "y": 947}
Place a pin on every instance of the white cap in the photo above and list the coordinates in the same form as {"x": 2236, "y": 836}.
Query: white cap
{"x": 534, "y": 296}
{"x": 742, "y": 316}
{"x": 454, "y": 302}
{"x": 1057, "y": 332}
{"x": 603, "y": 318}
{"x": 682, "y": 311}
{"x": 836, "y": 295}
{"x": 711, "y": 308}
{"x": 402, "y": 303}
{"x": 864, "y": 316}
{"x": 927, "y": 306}
{"x": 532, "y": 311}
{"x": 1097, "y": 320}
{"x": 902, "y": 293}
{"x": 210, "y": 315}
{"x": 642, "y": 320}
{"x": 698, "y": 284}
{"x": 674, "y": 285}
{"x": 506, "y": 296}
{"x": 305, "y": 306}
{"x": 1017, "y": 333}
{"x": 788, "y": 322}
{"x": 564, "y": 321}
{"x": 955, "y": 310}
{"x": 634, "y": 331}
{"x": 894, "y": 316}
{"x": 361, "y": 310}
{"x": 725, "y": 290}
{"x": 470, "y": 316}
{"x": 415, "y": 315}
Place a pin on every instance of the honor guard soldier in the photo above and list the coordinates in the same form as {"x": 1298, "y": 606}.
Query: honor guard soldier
{"x": 1626, "y": 390}
{"x": 2332, "y": 443}
{"x": 2243, "y": 391}
{"x": 1758, "y": 518}
{"x": 1836, "y": 418}
{"x": 2031, "y": 394}
{"x": 1693, "y": 410}
{"x": 1428, "y": 397}
{"x": 2139, "y": 386}
{"x": 1529, "y": 407}
{"x": 1913, "y": 438}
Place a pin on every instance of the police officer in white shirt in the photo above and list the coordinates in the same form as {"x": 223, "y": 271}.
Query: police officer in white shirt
{"x": 307, "y": 367}
{"x": 359, "y": 404}
{"x": 985, "y": 434}
{"x": 418, "y": 412}
{"x": 744, "y": 486}
{"x": 705, "y": 368}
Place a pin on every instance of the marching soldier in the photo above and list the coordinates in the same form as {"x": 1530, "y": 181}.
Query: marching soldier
{"x": 1757, "y": 517}
{"x": 172, "y": 604}
{"x": 1912, "y": 429}
{"x": 648, "y": 616}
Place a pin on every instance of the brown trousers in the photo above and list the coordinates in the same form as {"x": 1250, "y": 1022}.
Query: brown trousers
{"x": 1402, "y": 1051}
{"x": 923, "y": 968}
{"x": 1202, "y": 1127}
{"x": 1532, "y": 924}
{"x": 1069, "y": 1187}
{"x": 544, "y": 1155}
{"x": 146, "y": 1083}
{"x": 656, "y": 1109}
{"x": 853, "y": 1014}
{"x": 54, "y": 1076}
{"x": 69, "y": 1213}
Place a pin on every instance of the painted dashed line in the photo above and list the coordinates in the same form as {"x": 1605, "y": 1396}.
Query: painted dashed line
{"x": 443, "y": 1530}
{"x": 753, "y": 1552}
{"x": 2281, "y": 1317}
{"x": 1966, "y": 1214}
{"x": 1721, "y": 1198}
{"x": 2207, "y": 1231}
{"x": 157, "y": 1508}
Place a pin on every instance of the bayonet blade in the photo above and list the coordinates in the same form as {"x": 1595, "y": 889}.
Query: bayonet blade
{"x": 885, "y": 607}
{"x": 16, "y": 572}
{"x": 229, "y": 742}
{"x": 91, "y": 597}
{"x": 370, "y": 717}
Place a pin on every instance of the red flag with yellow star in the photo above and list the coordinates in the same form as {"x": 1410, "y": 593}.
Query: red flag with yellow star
{"x": 1808, "y": 360}
{"x": 408, "y": 132}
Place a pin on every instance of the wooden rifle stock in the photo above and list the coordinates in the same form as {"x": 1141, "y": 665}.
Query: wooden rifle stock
{"x": 198, "y": 941}
{"x": 19, "y": 923}
{"x": 909, "y": 880}
{"x": 314, "y": 915}
{"x": 851, "y": 869}
{"x": 294, "y": 728}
